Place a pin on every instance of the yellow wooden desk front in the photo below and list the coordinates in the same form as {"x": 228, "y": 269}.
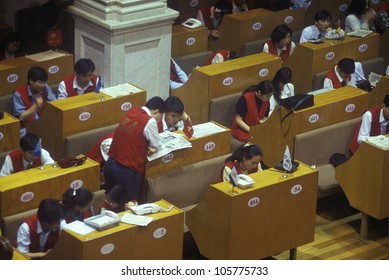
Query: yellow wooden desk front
{"x": 187, "y": 41}
{"x": 377, "y": 95}
{"x": 9, "y": 133}
{"x": 162, "y": 239}
{"x": 81, "y": 113}
{"x": 274, "y": 215}
{"x": 364, "y": 179}
{"x": 24, "y": 190}
{"x": 330, "y": 107}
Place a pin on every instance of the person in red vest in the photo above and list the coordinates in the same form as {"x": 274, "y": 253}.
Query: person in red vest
{"x": 341, "y": 75}
{"x": 39, "y": 233}
{"x": 135, "y": 138}
{"x": 247, "y": 159}
{"x": 280, "y": 43}
{"x": 77, "y": 204}
{"x": 252, "y": 108}
{"x": 82, "y": 81}
{"x": 375, "y": 121}
{"x": 29, "y": 100}
{"x": 177, "y": 76}
{"x": 12, "y": 47}
{"x": 220, "y": 56}
{"x": 25, "y": 158}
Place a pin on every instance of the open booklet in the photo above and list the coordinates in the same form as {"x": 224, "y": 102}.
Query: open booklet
{"x": 170, "y": 142}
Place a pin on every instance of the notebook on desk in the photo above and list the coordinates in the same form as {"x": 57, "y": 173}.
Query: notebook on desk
{"x": 359, "y": 33}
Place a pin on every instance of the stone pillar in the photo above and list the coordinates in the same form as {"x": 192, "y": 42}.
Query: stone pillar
{"x": 128, "y": 40}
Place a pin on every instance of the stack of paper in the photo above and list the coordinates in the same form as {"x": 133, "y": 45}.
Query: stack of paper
{"x": 170, "y": 142}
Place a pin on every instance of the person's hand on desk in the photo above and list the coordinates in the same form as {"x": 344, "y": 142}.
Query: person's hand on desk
{"x": 151, "y": 150}
{"x": 215, "y": 34}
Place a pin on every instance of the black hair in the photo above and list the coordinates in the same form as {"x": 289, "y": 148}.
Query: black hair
{"x": 347, "y": 65}
{"x": 224, "y": 6}
{"x": 386, "y": 100}
{"x": 264, "y": 87}
{"x": 50, "y": 211}
{"x": 28, "y": 142}
{"x": 357, "y": 8}
{"x": 245, "y": 151}
{"x": 84, "y": 66}
{"x": 232, "y": 55}
{"x": 10, "y": 38}
{"x": 322, "y": 15}
{"x": 174, "y": 104}
{"x": 284, "y": 76}
{"x": 80, "y": 197}
{"x": 118, "y": 194}
{"x": 6, "y": 249}
{"x": 37, "y": 73}
{"x": 280, "y": 32}
{"x": 156, "y": 103}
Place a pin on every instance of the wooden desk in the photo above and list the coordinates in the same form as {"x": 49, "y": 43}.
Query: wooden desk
{"x": 240, "y": 28}
{"x": 24, "y": 190}
{"x": 257, "y": 222}
{"x": 9, "y": 133}
{"x": 323, "y": 57}
{"x": 13, "y": 73}
{"x": 377, "y": 95}
{"x": 330, "y": 107}
{"x": 211, "y": 81}
{"x": 203, "y": 148}
{"x": 80, "y": 113}
{"x": 162, "y": 239}
{"x": 364, "y": 179}
{"x": 188, "y": 41}
{"x": 337, "y": 9}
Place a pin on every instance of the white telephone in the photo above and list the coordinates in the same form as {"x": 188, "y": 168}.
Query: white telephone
{"x": 148, "y": 208}
{"x": 192, "y": 23}
{"x": 105, "y": 220}
{"x": 245, "y": 181}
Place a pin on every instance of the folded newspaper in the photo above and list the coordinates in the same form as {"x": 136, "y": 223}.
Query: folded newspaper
{"x": 170, "y": 142}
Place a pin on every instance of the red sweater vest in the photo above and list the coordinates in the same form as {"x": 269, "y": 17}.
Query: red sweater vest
{"x": 374, "y": 130}
{"x": 273, "y": 50}
{"x": 253, "y": 116}
{"x": 335, "y": 81}
{"x": 224, "y": 53}
{"x": 129, "y": 145}
{"x": 32, "y": 223}
{"x": 206, "y": 11}
{"x": 95, "y": 152}
{"x": 73, "y": 91}
{"x": 173, "y": 73}
{"x": 17, "y": 161}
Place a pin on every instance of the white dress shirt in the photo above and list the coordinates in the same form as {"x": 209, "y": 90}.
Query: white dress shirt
{"x": 367, "y": 118}
{"x": 151, "y": 131}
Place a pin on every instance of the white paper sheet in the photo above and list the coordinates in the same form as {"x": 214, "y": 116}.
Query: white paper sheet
{"x": 120, "y": 90}
{"x": 79, "y": 227}
{"x": 136, "y": 220}
{"x": 208, "y": 128}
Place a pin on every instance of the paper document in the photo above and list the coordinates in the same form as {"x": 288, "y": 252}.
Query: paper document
{"x": 208, "y": 128}
{"x": 170, "y": 142}
{"x": 360, "y": 33}
{"x": 120, "y": 90}
{"x": 380, "y": 141}
{"x": 79, "y": 227}
{"x": 45, "y": 55}
{"x": 374, "y": 78}
{"x": 318, "y": 91}
{"x": 132, "y": 219}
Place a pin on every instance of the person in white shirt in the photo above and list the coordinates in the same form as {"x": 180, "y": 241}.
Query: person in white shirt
{"x": 280, "y": 42}
{"x": 346, "y": 73}
{"x": 177, "y": 76}
{"x": 359, "y": 15}
{"x": 319, "y": 29}
{"x": 283, "y": 88}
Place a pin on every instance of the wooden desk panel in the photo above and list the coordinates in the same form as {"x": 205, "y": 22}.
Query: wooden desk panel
{"x": 9, "y": 133}
{"x": 13, "y": 73}
{"x": 364, "y": 179}
{"x": 219, "y": 142}
{"x": 80, "y": 113}
{"x": 127, "y": 242}
{"x": 337, "y": 9}
{"x": 330, "y": 107}
{"x": 377, "y": 95}
{"x": 24, "y": 190}
{"x": 208, "y": 82}
{"x": 257, "y": 222}
{"x": 188, "y": 41}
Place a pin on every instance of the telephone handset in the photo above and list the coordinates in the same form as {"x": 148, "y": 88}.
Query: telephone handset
{"x": 105, "y": 220}
{"x": 245, "y": 181}
{"x": 148, "y": 208}
{"x": 192, "y": 23}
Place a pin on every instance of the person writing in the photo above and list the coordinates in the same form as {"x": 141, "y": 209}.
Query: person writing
{"x": 283, "y": 88}
{"x": 115, "y": 199}
{"x": 252, "y": 108}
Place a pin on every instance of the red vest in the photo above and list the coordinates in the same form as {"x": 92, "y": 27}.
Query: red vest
{"x": 206, "y": 11}
{"x": 34, "y": 247}
{"x": 253, "y": 116}
{"x": 17, "y": 161}
{"x": 273, "y": 50}
{"x": 73, "y": 91}
{"x": 335, "y": 81}
{"x": 129, "y": 145}
{"x": 173, "y": 73}
{"x": 230, "y": 164}
{"x": 23, "y": 91}
{"x": 224, "y": 53}
{"x": 95, "y": 152}
{"x": 374, "y": 130}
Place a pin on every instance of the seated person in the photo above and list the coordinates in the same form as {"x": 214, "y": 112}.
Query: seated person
{"x": 212, "y": 16}
{"x": 252, "y": 108}
{"x": 6, "y": 249}
{"x": 174, "y": 117}
{"x": 76, "y": 204}
{"x": 220, "y": 56}
{"x": 280, "y": 43}
{"x": 283, "y": 88}
{"x": 247, "y": 159}
{"x": 39, "y": 233}
{"x": 359, "y": 15}
{"x": 29, "y": 100}
{"x": 375, "y": 121}
{"x": 99, "y": 151}
{"x": 28, "y": 156}
{"x": 341, "y": 74}
{"x": 82, "y": 81}
{"x": 115, "y": 199}
{"x": 319, "y": 29}
{"x": 177, "y": 76}
{"x": 12, "y": 47}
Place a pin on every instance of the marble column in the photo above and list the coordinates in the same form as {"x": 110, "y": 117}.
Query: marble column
{"x": 128, "y": 40}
